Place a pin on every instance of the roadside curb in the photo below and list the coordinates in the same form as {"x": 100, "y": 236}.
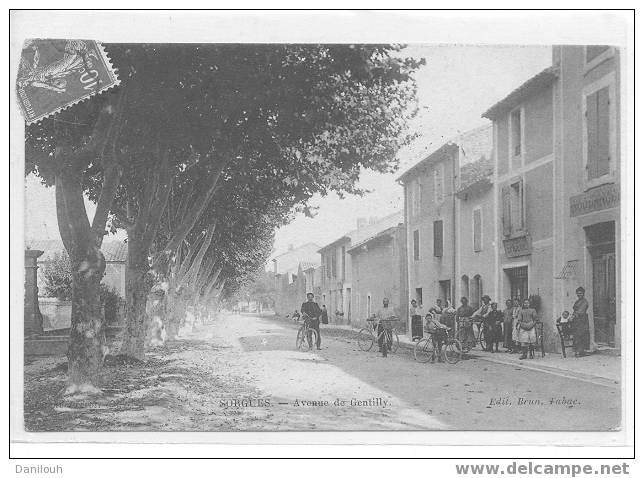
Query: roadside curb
{"x": 531, "y": 365}
{"x": 561, "y": 372}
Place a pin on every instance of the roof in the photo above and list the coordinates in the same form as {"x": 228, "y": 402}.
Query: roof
{"x": 535, "y": 84}
{"x": 339, "y": 240}
{"x": 358, "y": 235}
{"x": 475, "y": 176}
{"x": 114, "y": 251}
{"x": 360, "y": 245}
{"x": 289, "y": 261}
{"x": 472, "y": 144}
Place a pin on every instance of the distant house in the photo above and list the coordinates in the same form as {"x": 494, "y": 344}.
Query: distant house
{"x": 115, "y": 253}
{"x": 337, "y": 291}
{"x": 378, "y": 271}
{"x": 290, "y": 270}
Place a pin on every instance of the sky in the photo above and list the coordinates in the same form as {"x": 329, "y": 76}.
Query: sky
{"x": 456, "y": 85}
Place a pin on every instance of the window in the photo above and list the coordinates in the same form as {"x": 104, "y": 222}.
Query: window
{"x": 476, "y": 229}
{"x": 465, "y": 287}
{"x": 477, "y": 292}
{"x": 416, "y": 245}
{"x": 598, "y": 130}
{"x": 593, "y": 51}
{"x": 419, "y": 295}
{"x": 438, "y": 238}
{"x": 513, "y": 207}
{"x": 516, "y": 143}
{"x": 415, "y": 196}
{"x": 344, "y": 261}
{"x": 438, "y": 184}
{"x": 334, "y": 263}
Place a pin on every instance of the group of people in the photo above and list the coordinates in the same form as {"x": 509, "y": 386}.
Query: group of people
{"x": 514, "y": 326}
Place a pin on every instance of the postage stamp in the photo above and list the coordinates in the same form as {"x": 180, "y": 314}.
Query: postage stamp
{"x": 55, "y": 74}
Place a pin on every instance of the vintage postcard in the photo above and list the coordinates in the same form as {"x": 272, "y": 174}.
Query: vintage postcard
{"x": 309, "y": 233}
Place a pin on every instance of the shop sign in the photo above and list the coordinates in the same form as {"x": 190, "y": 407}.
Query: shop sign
{"x": 518, "y": 246}
{"x": 603, "y": 197}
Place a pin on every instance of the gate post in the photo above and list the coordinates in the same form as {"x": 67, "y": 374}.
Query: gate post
{"x": 33, "y": 318}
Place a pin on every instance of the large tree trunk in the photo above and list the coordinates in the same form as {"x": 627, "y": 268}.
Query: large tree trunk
{"x": 87, "y": 338}
{"x": 139, "y": 284}
{"x": 86, "y": 341}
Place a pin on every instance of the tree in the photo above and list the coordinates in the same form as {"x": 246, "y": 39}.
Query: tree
{"x": 184, "y": 117}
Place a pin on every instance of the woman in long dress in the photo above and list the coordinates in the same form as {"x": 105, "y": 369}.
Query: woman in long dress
{"x": 580, "y": 330}
{"x": 526, "y": 333}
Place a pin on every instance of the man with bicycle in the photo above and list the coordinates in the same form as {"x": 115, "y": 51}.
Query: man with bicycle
{"x": 311, "y": 309}
{"x": 383, "y": 314}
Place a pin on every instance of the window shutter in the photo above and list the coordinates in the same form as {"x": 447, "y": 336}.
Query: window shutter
{"x": 520, "y": 201}
{"x": 476, "y": 228}
{"x": 416, "y": 245}
{"x": 507, "y": 210}
{"x": 603, "y": 132}
{"x": 591, "y": 135}
{"x": 438, "y": 238}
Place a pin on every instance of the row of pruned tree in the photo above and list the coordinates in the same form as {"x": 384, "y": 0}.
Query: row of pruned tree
{"x": 199, "y": 154}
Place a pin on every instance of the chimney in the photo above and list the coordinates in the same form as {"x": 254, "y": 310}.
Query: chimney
{"x": 362, "y": 222}
{"x": 373, "y": 220}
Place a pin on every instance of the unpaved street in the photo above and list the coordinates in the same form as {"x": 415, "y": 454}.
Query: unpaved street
{"x": 243, "y": 373}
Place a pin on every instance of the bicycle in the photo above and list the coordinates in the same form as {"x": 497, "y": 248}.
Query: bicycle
{"x": 306, "y": 335}
{"x": 367, "y": 336}
{"x": 461, "y": 334}
{"x": 425, "y": 348}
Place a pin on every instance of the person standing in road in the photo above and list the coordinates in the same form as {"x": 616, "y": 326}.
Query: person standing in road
{"x": 324, "y": 318}
{"x": 312, "y": 309}
{"x": 580, "y": 329}
{"x": 382, "y": 315}
{"x": 526, "y": 329}
{"x": 508, "y": 344}
{"x": 492, "y": 328}
{"x": 516, "y": 308}
{"x": 465, "y": 312}
{"x": 416, "y": 321}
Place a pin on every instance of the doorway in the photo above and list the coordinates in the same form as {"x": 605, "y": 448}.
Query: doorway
{"x": 349, "y": 305}
{"x": 600, "y": 239}
{"x": 445, "y": 291}
{"x": 518, "y": 278}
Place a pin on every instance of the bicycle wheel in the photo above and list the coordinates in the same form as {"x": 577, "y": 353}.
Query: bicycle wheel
{"x": 482, "y": 340}
{"x": 395, "y": 342}
{"x": 365, "y": 340}
{"x": 314, "y": 337}
{"x": 424, "y": 350}
{"x": 452, "y": 351}
{"x": 301, "y": 342}
{"x": 461, "y": 336}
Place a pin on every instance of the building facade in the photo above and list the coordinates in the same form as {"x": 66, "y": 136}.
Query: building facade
{"x": 436, "y": 267}
{"x": 378, "y": 272}
{"x": 556, "y": 189}
{"x": 290, "y": 270}
{"x": 337, "y": 291}
{"x": 475, "y": 232}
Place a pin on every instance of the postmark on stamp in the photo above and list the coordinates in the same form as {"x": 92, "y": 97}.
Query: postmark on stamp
{"x": 55, "y": 74}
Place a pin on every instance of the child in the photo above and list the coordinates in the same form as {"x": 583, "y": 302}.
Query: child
{"x": 492, "y": 328}
{"x": 439, "y": 334}
{"x": 564, "y": 321}
{"x": 526, "y": 332}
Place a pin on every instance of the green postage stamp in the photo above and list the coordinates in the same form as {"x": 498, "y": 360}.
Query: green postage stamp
{"x": 55, "y": 74}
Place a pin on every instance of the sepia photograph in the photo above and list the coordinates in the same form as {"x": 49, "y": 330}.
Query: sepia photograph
{"x": 317, "y": 236}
